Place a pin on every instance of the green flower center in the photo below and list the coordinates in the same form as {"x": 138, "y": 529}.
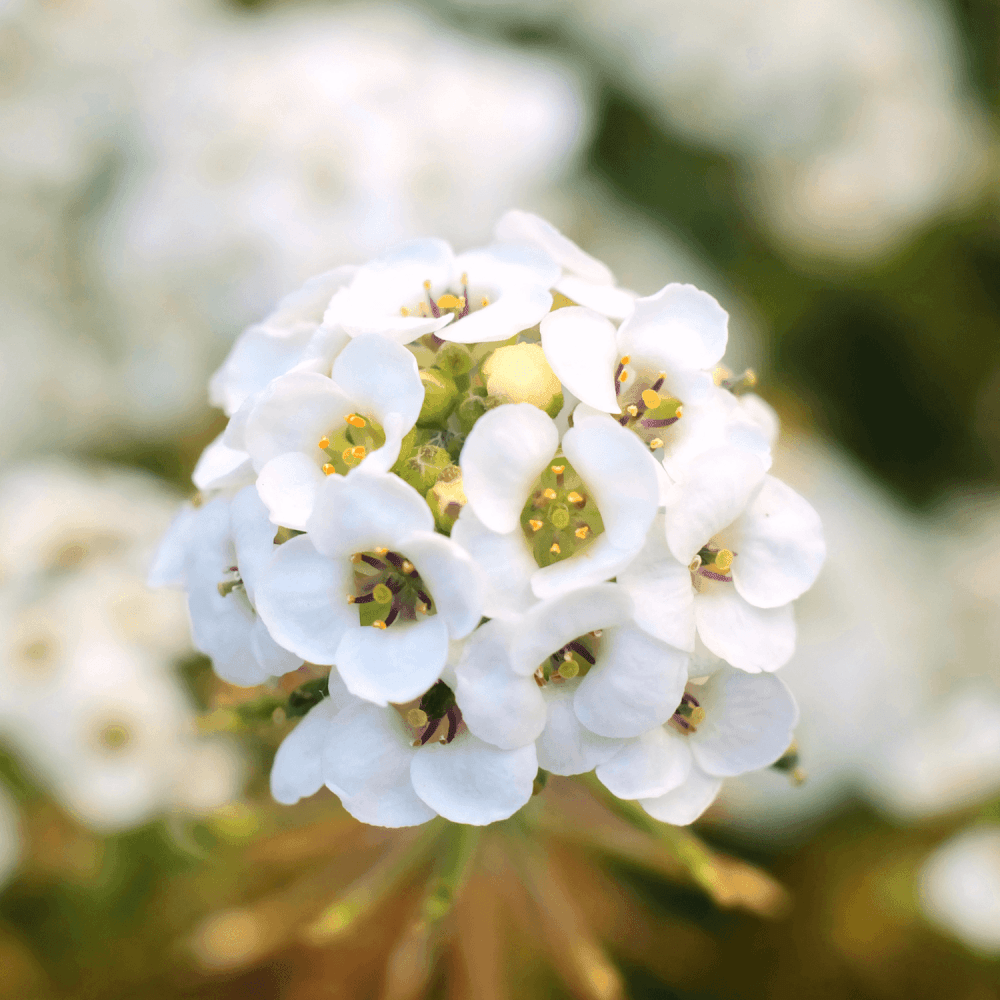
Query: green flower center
{"x": 346, "y": 447}
{"x": 388, "y": 588}
{"x": 573, "y": 660}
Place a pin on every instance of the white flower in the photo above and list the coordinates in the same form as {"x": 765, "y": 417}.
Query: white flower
{"x": 732, "y": 723}
{"x": 371, "y": 588}
{"x": 751, "y": 544}
{"x": 960, "y": 888}
{"x": 401, "y": 766}
{"x": 219, "y": 551}
{"x": 574, "y": 674}
{"x": 585, "y": 512}
{"x": 584, "y": 280}
{"x": 305, "y": 426}
{"x": 421, "y": 287}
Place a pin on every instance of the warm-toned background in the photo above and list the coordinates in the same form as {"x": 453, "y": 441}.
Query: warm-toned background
{"x": 826, "y": 168}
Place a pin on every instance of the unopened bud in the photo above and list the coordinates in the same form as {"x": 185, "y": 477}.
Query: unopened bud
{"x": 440, "y": 398}
{"x": 520, "y": 373}
{"x": 422, "y": 468}
{"x": 446, "y": 498}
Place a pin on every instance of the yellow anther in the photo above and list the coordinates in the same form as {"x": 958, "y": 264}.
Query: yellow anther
{"x": 574, "y": 497}
{"x": 378, "y": 623}
{"x": 680, "y": 412}
{"x": 427, "y": 285}
{"x": 582, "y": 532}
{"x": 569, "y": 669}
{"x": 350, "y": 598}
{"x": 465, "y": 278}
{"x": 723, "y": 560}
{"x": 381, "y": 551}
{"x": 485, "y": 302}
{"x": 359, "y": 451}
{"x": 697, "y": 716}
{"x": 632, "y": 411}
{"x": 656, "y": 443}
{"x": 417, "y": 718}
{"x": 382, "y": 594}
{"x": 404, "y": 311}
{"x": 623, "y": 377}
{"x": 558, "y": 469}
{"x": 695, "y": 564}
{"x": 328, "y": 469}
{"x": 449, "y": 301}
{"x": 626, "y": 359}
{"x": 356, "y": 558}
{"x": 554, "y": 548}
{"x": 324, "y": 443}
{"x": 407, "y": 566}
{"x": 549, "y": 493}
{"x": 597, "y": 633}
{"x": 535, "y": 525}
{"x": 422, "y": 608}
{"x": 651, "y": 398}
{"x": 354, "y": 420}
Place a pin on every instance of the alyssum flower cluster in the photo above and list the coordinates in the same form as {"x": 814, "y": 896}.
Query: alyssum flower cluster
{"x": 521, "y": 514}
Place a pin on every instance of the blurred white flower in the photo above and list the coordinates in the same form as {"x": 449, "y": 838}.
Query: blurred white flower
{"x": 960, "y": 888}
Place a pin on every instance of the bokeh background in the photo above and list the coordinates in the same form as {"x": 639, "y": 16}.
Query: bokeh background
{"x": 826, "y": 168}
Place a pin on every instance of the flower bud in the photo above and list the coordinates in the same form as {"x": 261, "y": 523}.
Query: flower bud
{"x": 469, "y": 411}
{"x": 422, "y": 468}
{"x": 520, "y": 374}
{"x": 455, "y": 361}
{"x": 440, "y": 398}
{"x": 446, "y": 498}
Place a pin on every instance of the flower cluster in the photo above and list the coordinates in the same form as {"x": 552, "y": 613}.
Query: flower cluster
{"x": 525, "y": 518}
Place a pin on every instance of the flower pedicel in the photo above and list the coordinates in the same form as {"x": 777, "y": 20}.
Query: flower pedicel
{"x": 524, "y": 520}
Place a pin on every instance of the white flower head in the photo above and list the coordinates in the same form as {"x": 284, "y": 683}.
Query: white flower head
{"x": 372, "y": 588}
{"x": 542, "y": 524}
{"x": 422, "y": 287}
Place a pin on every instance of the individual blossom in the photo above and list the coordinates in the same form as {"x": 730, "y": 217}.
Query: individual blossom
{"x": 401, "y": 765}
{"x": 305, "y": 426}
{"x": 422, "y": 287}
{"x": 371, "y": 588}
{"x": 573, "y": 675}
{"x": 726, "y": 724}
{"x": 218, "y": 552}
{"x": 544, "y": 517}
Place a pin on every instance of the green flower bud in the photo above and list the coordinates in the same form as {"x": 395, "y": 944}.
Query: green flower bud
{"x": 440, "y": 398}
{"x": 446, "y": 498}
{"x": 521, "y": 374}
{"x": 456, "y": 361}
{"x": 422, "y": 467}
{"x": 469, "y": 411}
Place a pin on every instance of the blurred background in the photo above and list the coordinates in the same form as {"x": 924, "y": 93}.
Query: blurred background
{"x": 826, "y": 168}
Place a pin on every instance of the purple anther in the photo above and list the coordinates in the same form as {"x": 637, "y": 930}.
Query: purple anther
{"x": 680, "y": 720}
{"x": 435, "y": 312}
{"x": 657, "y": 384}
{"x": 436, "y": 342}
{"x": 425, "y": 597}
{"x": 429, "y": 731}
{"x": 623, "y": 419}
{"x": 465, "y": 308}
{"x": 650, "y": 422}
{"x": 364, "y": 599}
{"x": 392, "y": 615}
{"x": 454, "y": 717}
{"x": 715, "y": 576}
{"x": 579, "y": 647}
{"x": 690, "y": 699}
{"x": 395, "y": 558}
{"x": 372, "y": 561}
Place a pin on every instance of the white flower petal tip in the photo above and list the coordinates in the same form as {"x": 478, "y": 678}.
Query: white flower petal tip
{"x": 683, "y": 805}
{"x": 580, "y": 347}
{"x": 221, "y": 467}
{"x": 297, "y": 771}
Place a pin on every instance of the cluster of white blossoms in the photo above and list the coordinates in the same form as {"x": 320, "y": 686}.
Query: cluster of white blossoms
{"x": 524, "y": 517}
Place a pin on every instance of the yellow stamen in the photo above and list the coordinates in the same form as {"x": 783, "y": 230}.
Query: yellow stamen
{"x": 449, "y": 301}
{"x": 535, "y": 525}
{"x": 558, "y": 469}
{"x": 680, "y": 412}
{"x": 417, "y": 718}
{"x": 582, "y": 532}
{"x": 359, "y": 451}
{"x": 569, "y": 669}
{"x": 461, "y": 302}
{"x": 485, "y": 302}
{"x": 632, "y": 411}
{"x": 623, "y": 377}
{"x": 381, "y": 551}
{"x": 554, "y": 547}
{"x": 356, "y": 558}
{"x": 354, "y": 420}
{"x": 407, "y": 566}
{"x": 574, "y": 497}
{"x": 350, "y": 598}
{"x": 723, "y": 560}
{"x": 656, "y": 443}
{"x": 378, "y": 623}
{"x": 328, "y": 469}
{"x": 626, "y": 359}
{"x": 324, "y": 443}
{"x": 651, "y": 399}
{"x": 465, "y": 278}
{"x": 404, "y": 311}
{"x": 549, "y": 493}
{"x": 427, "y": 285}
{"x": 422, "y": 608}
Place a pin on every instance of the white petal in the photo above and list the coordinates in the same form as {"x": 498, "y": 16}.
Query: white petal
{"x": 514, "y": 310}
{"x": 615, "y": 303}
{"x": 598, "y": 562}
{"x": 273, "y": 660}
{"x": 309, "y": 302}
{"x": 749, "y": 719}
{"x": 747, "y": 637}
{"x": 395, "y": 664}
{"x": 548, "y": 626}
{"x": 636, "y": 684}
{"x": 506, "y": 563}
{"x": 366, "y": 761}
{"x": 253, "y": 536}
{"x": 381, "y": 377}
{"x": 680, "y": 324}
{"x": 381, "y": 460}
{"x": 297, "y": 771}
{"x": 580, "y": 348}
{"x": 288, "y": 485}
{"x": 221, "y": 467}
{"x": 780, "y": 546}
{"x": 517, "y": 226}
{"x": 499, "y": 706}
{"x": 292, "y": 414}
{"x": 503, "y": 455}
{"x": 321, "y": 351}
{"x": 504, "y": 266}
{"x": 711, "y": 496}
{"x": 469, "y": 781}
{"x": 363, "y": 511}
{"x": 452, "y": 579}
{"x": 685, "y": 804}
{"x": 565, "y": 746}
{"x": 653, "y": 764}
{"x": 661, "y": 592}
{"x": 620, "y": 475}
{"x": 169, "y": 567}
{"x": 302, "y": 598}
